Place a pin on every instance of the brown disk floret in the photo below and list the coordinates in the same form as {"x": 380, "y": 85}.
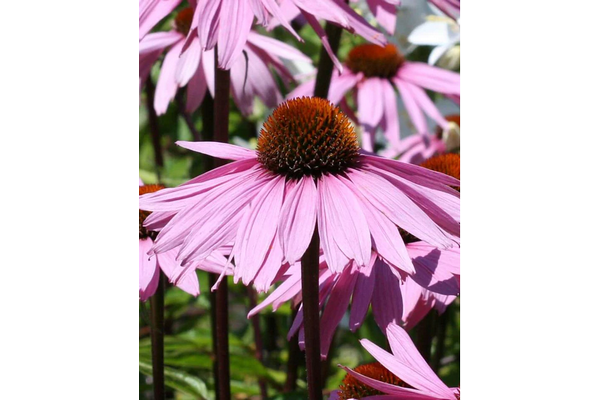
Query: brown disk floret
{"x": 448, "y": 164}
{"x": 144, "y": 233}
{"x": 352, "y": 388}
{"x": 373, "y": 60}
{"x": 183, "y": 20}
{"x": 307, "y": 136}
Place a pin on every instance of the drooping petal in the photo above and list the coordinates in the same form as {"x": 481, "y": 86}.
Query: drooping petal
{"x": 370, "y": 103}
{"x": 260, "y": 229}
{"x": 271, "y": 266}
{"x": 166, "y": 87}
{"x": 386, "y": 238}
{"x": 404, "y": 350}
{"x": 189, "y": 62}
{"x": 196, "y": 90}
{"x": 298, "y": 218}
{"x": 314, "y": 23}
{"x": 154, "y": 11}
{"x": 277, "y": 48}
{"x": 346, "y": 221}
{"x": 385, "y": 13}
{"x": 159, "y": 41}
{"x": 390, "y": 115}
{"x": 235, "y": 19}
{"x": 336, "y": 307}
{"x": 412, "y": 107}
{"x": 363, "y": 292}
{"x": 387, "y": 299}
{"x": 147, "y": 264}
{"x": 400, "y": 209}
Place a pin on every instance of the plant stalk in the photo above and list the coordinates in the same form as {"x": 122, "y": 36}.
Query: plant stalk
{"x": 221, "y": 134}
{"x": 310, "y": 309}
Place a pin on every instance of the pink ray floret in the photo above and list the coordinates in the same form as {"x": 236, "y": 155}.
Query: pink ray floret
{"x": 408, "y": 365}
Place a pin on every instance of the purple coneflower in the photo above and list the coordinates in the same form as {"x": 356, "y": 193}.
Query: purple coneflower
{"x": 307, "y": 170}
{"x": 403, "y": 375}
{"x": 250, "y": 75}
{"x": 371, "y": 74}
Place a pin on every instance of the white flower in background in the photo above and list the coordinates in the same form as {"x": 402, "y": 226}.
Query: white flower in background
{"x": 441, "y": 32}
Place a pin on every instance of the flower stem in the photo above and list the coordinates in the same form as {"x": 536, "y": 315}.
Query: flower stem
{"x": 157, "y": 334}
{"x": 258, "y": 343}
{"x": 325, "y": 67}
{"x": 153, "y": 125}
{"x": 310, "y": 299}
{"x": 221, "y": 134}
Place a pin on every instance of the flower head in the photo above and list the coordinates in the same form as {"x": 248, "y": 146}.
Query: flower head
{"x": 266, "y": 203}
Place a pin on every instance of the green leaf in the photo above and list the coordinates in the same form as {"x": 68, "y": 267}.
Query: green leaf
{"x": 179, "y": 380}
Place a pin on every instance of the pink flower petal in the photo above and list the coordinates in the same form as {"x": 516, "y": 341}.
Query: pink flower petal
{"x": 298, "y": 218}
{"x": 400, "y": 209}
{"x": 224, "y": 151}
{"x": 336, "y": 307}
{"x": 235, "y": 21}
{"x": 415, "y": 367}
{"x": 166, "y": 87}
{"x": 147, "y": 264}
{"x": 346, "y": 220}
{"x": 260, "y": 229}
{"x": 363, "y": 292}
{"x": 387, "y": 299}
{"x": 159, "y": 41}
{"x": 370, "y": 103}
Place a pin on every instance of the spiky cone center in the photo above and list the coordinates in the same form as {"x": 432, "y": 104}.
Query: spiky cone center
{"x": 375, "y": 61}
{"x": 352, "y": 388}
{"x": 183, "y": 20}
{"x": 448, "y": 164}
{"x": 307, "y": 136}
{"x": 144, "y": 233}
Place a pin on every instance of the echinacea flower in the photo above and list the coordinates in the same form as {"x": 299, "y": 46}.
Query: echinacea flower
{"x": 250, "y": 75}
{"x": 150, "y": 267}
{"x": 307, "y": 170}
{"x": 392, "y": 293}
{"x": 228, "y": 22}
{"x": 402, "y": 375}
{"x": 372, "y": 73}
